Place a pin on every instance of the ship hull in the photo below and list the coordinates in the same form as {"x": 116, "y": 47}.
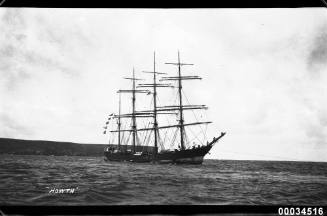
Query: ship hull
{"x": 194, "y": 155}
{"x": 187, "y": 156}
{"x": 127, "y": 157}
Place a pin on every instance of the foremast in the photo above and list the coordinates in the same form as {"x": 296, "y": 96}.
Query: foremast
{"x": 179, "y": 78}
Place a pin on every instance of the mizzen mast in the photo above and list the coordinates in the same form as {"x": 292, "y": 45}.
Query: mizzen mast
{"x": 133, "y": 114}
{"x": 119, "y": 123}
{"x": 155, "y": 123}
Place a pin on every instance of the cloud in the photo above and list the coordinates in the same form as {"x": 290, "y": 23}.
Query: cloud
{"x": 316, "y": 129}
{"x": 30, "y": 47}
{"x": 10, "y": 127}
{"x": 317, "y": 58}
{"x": 14, "y": 18}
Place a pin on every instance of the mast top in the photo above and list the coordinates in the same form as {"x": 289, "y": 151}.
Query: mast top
{"x": 179, "y": 63}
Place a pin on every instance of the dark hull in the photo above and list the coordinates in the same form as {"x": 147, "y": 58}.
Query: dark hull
{"x": 187, "y": 156}
{"x": 127, "y": 157}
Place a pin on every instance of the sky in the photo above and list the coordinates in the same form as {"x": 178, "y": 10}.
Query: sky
{"x": 264, "y": 73}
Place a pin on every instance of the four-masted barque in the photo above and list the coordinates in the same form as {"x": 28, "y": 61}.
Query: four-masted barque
{"x": 126, "y": 144}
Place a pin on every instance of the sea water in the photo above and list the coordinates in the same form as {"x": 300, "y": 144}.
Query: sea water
{"x": 63, "y": 180}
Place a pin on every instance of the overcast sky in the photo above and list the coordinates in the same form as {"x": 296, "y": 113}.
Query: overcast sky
{"x": 264, "y": 73}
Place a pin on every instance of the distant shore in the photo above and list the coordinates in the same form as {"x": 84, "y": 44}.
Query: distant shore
{"x": 42, "y": 147}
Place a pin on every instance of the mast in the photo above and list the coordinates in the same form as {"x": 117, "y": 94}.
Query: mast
{"x": 179, "y": 78}
{"x": 155, "y": 124}
{"x": 181, "y": 120}
{"x": 133, "y": 113}
{"x": 119, "y": 123}
{"x": 154, "y": 112}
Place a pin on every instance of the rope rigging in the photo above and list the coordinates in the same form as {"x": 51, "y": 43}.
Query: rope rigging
{"x": 142, "y": 120}
{"x": 204, "y": 132}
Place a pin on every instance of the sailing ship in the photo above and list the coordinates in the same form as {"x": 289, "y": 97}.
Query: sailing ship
{"x": 126, "y": 144}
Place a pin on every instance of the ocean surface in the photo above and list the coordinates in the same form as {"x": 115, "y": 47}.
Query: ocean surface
{"x": 37, "y": 180}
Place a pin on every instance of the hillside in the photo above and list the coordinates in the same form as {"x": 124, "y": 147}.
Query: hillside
{"x": 41, "y": 147}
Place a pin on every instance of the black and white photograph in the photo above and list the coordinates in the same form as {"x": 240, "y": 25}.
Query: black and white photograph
{"x": 118, "y": 107}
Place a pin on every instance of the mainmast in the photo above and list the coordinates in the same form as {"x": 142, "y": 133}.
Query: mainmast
{"x": 154, "y": 93}
{"x": 181, "y": 120}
